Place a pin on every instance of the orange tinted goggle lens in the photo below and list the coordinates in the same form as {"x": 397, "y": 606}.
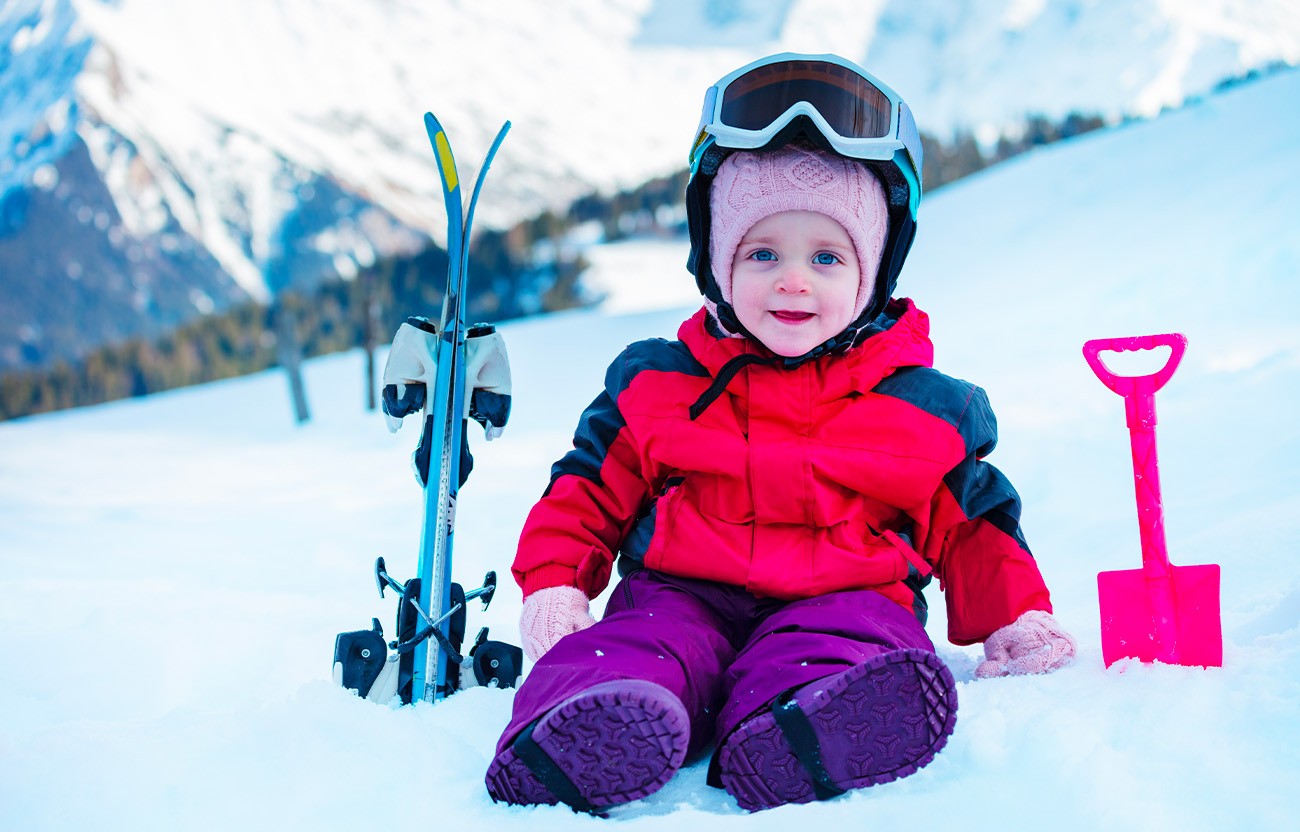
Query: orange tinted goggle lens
{"x": 852, "y": 106}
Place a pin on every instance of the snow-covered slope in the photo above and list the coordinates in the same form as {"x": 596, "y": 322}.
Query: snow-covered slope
{"x": 173, "y": 570}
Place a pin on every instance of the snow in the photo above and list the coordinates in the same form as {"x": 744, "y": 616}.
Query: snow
{"x": 173, "y": 570}
{"x": 625, "y": 274}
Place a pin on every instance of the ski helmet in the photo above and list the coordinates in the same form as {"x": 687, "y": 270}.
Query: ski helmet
{"x": 835, "y": 105}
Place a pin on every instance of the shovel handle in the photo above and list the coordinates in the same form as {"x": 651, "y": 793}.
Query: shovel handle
{"x": 1138, "y": 391}
{"x": 1128, "y": 385}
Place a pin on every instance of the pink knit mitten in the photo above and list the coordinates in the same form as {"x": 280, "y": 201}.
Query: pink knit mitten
{"x": 1033, "y": 643}
{"x": 551, "y": 614}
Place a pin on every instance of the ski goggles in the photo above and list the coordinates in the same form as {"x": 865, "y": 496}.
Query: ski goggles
{"x": 857, "y": 115}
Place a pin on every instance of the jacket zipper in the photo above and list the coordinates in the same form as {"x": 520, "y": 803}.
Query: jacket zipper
{"x": 668, "y": 486}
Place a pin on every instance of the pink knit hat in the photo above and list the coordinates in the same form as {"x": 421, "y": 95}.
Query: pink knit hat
{"x": 752, "y": 186}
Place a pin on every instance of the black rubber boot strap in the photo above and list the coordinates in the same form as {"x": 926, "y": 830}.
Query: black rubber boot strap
{"x": 544, "y": 769}
{"x": 798, "y": 732}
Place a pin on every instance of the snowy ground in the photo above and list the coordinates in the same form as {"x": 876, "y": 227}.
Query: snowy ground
{"x": 173, "y": 570}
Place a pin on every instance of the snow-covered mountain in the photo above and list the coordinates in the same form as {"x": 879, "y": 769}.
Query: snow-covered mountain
{"x": 207, "y": 122}
{"x": 173, "y": 569}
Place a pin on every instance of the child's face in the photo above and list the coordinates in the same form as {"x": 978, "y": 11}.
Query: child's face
{"x": 795, "y": 281}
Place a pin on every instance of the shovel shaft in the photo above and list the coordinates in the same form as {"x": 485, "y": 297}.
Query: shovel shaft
{"x": 1146, "y": 485}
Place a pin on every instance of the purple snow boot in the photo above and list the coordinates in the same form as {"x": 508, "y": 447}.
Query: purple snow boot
{"x": 870, "y": 724}
{"x": 613, "y": 743}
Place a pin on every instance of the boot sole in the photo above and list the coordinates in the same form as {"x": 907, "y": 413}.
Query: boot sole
{"x": 874, "y": 723}
{"x": 615, "y": 743}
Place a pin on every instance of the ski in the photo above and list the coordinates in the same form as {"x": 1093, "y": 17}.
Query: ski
{"x": 426, "y": 660}
{"x": 444, "y": 422}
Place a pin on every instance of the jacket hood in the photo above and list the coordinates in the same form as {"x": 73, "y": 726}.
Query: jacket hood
{"x": 899, "y": 337}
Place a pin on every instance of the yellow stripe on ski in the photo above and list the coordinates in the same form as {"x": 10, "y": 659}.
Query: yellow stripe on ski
{"x": 447, "y": 162}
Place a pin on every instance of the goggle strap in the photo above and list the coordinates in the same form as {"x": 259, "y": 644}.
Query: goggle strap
{"x": 910, "y": 137}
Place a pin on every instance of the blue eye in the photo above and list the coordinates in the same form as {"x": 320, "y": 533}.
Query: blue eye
{"x": 825, "y": 258}
{"x": 763, "y": 256}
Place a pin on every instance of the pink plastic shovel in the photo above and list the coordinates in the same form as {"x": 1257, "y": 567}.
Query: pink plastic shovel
{"x": 1160, "y": 612}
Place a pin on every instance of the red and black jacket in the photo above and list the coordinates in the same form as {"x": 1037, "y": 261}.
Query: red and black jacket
{"x": 862, "y": 470}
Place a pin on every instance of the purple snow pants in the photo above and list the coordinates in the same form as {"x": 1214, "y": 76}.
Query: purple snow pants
{"x": 723, "y": 652}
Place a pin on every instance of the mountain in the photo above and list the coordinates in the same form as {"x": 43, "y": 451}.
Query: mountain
{"x": 161, "y": 148}
{"x": 173, "y": 569}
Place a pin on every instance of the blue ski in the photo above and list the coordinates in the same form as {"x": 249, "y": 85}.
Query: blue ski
{"x": 444, "y": 415}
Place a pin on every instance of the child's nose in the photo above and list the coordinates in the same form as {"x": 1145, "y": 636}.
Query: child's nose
{"x": 792, "y": 280}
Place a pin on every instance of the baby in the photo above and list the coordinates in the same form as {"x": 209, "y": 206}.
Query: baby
{"x": 778, "y": 485}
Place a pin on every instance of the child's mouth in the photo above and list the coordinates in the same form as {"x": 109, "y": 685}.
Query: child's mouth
{"x": 787, "y": 316}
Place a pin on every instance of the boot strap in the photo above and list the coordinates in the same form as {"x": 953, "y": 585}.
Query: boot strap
{"x": 798, "y": 733}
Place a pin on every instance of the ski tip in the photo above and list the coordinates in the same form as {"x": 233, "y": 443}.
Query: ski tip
{"x": 442, "y": 149}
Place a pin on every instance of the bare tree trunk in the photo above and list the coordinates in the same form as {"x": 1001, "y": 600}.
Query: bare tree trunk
{"x": 370, "y": 326}
{"x": 289, "y": 351}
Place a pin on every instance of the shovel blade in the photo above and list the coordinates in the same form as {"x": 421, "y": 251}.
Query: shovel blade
{"x": 1173, "y": 619}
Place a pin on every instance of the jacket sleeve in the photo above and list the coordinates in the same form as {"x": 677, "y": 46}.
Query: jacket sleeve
{"x": 985, "y": 569}
{"x": 573, "y": 533}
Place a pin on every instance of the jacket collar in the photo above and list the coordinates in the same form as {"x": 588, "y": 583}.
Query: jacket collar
{"x": 900, "y": 337}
